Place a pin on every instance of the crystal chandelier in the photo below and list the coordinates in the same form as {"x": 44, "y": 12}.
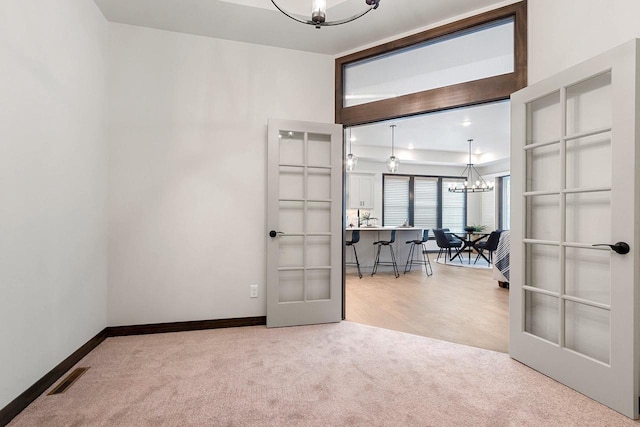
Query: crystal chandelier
{"x": 474, "y": 183}
{"x": 319, "y": 13}
{"x": 393, "y": 162}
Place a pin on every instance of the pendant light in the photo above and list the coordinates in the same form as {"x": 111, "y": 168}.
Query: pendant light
{"x": 352, "y": 160}
{"x": 393, "y": 162}
{"x": 319, "y": 13}
{"x": 475, "y": 183}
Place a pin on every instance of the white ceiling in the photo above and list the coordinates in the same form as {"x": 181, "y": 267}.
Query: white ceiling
{"x": 488, "y": 126}
{"x": 259, "y": 22}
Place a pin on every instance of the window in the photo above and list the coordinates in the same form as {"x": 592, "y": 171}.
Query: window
{"x": 474, "y": 60}
{"x": 395, "y": 200}
{"x": 425, "y": 199}
{"x": 454, "y": 207}
{"x": 476, "y": 53}
{"x": 422, "y": 201}
{"x": 504, "y": 187}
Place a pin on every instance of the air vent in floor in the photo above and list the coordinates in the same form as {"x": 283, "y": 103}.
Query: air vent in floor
{"x": 68, "y": 381}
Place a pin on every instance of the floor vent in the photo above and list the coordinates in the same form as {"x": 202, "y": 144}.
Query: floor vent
{"x": 68, "y": 381}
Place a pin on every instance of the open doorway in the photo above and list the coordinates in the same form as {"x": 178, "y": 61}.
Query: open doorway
{"x": 461, "y": 301}
{"x": 438, "y": 88}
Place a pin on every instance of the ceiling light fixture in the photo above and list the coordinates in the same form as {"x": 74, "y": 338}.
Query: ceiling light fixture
{"x": 352, "y": 160}
{"x": 478, "y": 183}
{"x": 393, "y": 162}
{"x": 319, "y": 13}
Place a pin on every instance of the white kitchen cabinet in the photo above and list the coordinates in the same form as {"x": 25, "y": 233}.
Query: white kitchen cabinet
{"x": 360, "y": 191}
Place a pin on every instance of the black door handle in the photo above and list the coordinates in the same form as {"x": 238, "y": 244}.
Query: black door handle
{"x": 619, "y": 248}
{"x": 274, "y": 233}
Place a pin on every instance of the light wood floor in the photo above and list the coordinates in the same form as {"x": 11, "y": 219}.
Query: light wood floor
{"x": 461, "y": 305}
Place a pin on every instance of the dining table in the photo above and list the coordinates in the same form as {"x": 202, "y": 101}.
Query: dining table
{"x": 469, "y": 241}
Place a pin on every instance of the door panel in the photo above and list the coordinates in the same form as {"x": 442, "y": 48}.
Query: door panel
{"x": 595, "y": 149}
{"x": 574, "y": 184}
{"x": 304, "y": 219}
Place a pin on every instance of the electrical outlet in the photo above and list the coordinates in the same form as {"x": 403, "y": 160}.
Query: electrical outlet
{"x": 253, "y": 291}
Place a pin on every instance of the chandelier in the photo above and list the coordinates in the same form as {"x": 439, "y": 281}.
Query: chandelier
{"x": 474, "y": 183}
{"x": 319, "y": 13}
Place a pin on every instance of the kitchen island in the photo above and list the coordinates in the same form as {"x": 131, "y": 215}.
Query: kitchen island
{"x": 367, "y": 250}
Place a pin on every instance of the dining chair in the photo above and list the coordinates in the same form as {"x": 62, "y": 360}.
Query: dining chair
{"x": 451, "y": 237}
{"x": 489, "y": 245}
{"x": 445, "y": 244}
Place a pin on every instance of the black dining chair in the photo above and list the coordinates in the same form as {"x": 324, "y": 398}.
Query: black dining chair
{"x": 451, "y": 237}
{"x": 445, "y": 244}
{"x": 389, "y": 244}
{"x": 355, "y": 238}
{"x": 417, "y": 248}
{"x": 489, "y": 245}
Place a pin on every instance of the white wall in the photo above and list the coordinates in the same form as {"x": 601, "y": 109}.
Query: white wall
{"x": 492, "y": 172}
{"x": 187, "y": 168}
{"x": 52, "y": 185}
{"x": 567, "y": 32}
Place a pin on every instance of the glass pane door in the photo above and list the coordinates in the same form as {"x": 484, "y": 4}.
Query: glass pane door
{"x": 573, "y": 173}
{"x": 568, "y": 208}
{"x": 304, "y": 243}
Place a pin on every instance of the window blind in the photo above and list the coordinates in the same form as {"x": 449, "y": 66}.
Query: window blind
{"x": 424, "y": 201}
{"x": 396, "y": 200}
{"x": 453, "y": 207}
{"x": 425, "y": 196}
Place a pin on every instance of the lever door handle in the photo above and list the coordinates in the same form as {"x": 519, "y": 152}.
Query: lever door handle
{"x": 619, "y": 248}
{"x": 274, "y": 233}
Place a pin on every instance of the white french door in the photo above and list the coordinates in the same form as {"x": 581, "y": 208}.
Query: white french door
{"x": 304, "y": 220}
{"x": 574, "y": 174}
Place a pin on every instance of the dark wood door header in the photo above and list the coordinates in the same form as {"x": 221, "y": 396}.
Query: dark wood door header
{"x": 458, "y": 95}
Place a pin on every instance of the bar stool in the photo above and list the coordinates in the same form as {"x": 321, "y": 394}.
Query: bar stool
{"x": 414, "y": 257}
{"x": 389, "y": 244}
{"x": 355, "y": 238}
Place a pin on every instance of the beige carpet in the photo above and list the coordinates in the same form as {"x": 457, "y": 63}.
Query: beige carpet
{"x": 327, "y": 375}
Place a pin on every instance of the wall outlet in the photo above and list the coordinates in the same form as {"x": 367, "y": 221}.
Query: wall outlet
{"x": 253, "y": 291}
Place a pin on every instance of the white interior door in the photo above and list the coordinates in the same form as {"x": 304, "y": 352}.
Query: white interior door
{"x": 304, "y": 220}
{"x": 574, "y": 175}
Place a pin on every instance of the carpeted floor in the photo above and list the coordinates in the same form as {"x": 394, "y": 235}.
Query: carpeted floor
{"x": 342, "y": 374}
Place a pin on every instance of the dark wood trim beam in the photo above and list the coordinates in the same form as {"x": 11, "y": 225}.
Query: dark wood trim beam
{"x": 520, "y": 45}
{"x": 19, "y": 403}
{"x": 462, "y": 94}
